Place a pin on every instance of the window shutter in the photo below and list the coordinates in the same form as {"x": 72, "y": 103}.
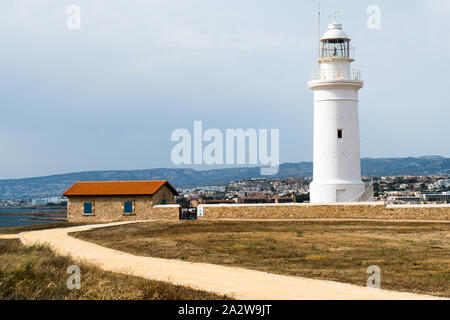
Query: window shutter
{"x": 128, "y": 207}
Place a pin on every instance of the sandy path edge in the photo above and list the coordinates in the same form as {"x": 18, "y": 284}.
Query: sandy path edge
{"x": 9, "y": 236}
{"x": 238, "y": 283}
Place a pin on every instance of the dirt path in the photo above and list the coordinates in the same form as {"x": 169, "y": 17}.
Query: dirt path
{"x": 235, "y": 282}
{"x": 8, "y": 236}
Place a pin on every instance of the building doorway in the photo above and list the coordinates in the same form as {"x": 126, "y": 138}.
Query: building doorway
{"x": 340, "y": 195}
{"x": 188, "y": 213}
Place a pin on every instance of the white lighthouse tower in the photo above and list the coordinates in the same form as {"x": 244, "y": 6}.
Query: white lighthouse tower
{"x": 337, "y": 164}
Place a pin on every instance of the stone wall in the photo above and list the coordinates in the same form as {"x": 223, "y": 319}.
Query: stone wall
{"x": 369, "y": 210}
{"x": 163, "y": 194}
{"x": 167, "y": 212}
{"x": 110, "y": 208}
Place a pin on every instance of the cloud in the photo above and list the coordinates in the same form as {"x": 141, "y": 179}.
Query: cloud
{"x": 137, "y": 69}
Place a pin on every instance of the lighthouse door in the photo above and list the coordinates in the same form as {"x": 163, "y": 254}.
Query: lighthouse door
{"x": 340, "y": 195}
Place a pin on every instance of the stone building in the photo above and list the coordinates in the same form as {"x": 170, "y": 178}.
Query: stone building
{"x": 107, "y": 201}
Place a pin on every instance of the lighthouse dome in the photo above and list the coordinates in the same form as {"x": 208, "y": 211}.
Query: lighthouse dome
{"x": 335, "y": 32}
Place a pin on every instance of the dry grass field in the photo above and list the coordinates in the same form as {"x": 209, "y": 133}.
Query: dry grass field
{"x": 413, "y": 256}
{"x": 36, "y": 272}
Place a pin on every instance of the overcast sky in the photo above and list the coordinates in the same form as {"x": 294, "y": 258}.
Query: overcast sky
{"x": 109, "y": 95}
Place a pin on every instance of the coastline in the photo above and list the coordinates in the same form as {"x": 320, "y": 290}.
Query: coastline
{"x": 33, "y": 216}
{"x": 53, "y": 213}
{"x": 45, "y": 211}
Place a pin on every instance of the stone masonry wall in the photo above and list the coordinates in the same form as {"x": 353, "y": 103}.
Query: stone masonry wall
{"x": 167, "y": 212}
{"x": 163, "y": 193}
{"x": 369, "y": 210}
{"x": 108, "y": 209}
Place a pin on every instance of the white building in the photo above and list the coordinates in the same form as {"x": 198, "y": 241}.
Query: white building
{"x": 404, "y": 199}
{"x": 443, "y": 182}
{"x": 337, "y": 164}
{"x": 437, "y": 197}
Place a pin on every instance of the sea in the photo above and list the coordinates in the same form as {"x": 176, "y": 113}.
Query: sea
{"x": 21, "y": 220}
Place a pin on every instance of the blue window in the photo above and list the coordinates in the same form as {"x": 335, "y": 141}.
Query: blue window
{"x": 163, "y": 201}
{"x": 128, "y": 207}
{"x": 88, "y": 208}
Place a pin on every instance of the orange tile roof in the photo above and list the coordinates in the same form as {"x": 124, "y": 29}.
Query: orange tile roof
{"x": 117, "y": 188}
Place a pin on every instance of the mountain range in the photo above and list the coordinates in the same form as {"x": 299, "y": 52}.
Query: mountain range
{"x": 55, "y": 185}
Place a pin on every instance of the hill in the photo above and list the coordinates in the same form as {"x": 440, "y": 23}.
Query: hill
{"x": 55, "y": 185}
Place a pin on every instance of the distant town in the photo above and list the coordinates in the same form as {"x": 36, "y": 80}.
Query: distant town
{"x": 395, "y": 190}
{"x": 33, "y": 203}
{"x": 391, "y": 189}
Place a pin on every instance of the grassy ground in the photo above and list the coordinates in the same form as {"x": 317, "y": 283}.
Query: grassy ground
{"x": 413, "y": 257}
{"x": 37, "y": 272}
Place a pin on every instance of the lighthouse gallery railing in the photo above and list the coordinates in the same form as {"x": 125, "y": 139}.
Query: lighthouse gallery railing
{"x": 325, "y": 75}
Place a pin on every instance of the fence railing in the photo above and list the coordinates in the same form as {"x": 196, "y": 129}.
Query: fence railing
{"x": 365, "y": 195}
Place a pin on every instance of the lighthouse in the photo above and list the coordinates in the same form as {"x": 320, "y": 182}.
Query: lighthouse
{"x": 337, "y": 164}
